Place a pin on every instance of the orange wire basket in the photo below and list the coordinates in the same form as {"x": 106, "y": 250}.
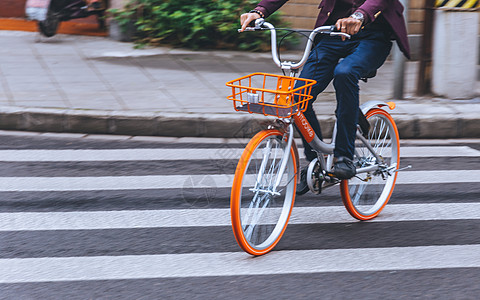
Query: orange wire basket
{"x": 270, "y": 95}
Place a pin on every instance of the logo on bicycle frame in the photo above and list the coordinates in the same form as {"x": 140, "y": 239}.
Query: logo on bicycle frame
{"x": 300, "y": 118}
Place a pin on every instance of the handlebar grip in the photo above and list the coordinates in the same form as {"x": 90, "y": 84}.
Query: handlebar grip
{"x": 337, "y": 32}
{"x": 251, "y": 27}
{"x": 334, "y": 28}
{"x": 254, "y": 25}
{"x": 247, "y": 29}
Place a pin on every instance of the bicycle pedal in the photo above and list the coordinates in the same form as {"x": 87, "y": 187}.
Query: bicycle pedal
{"x": 331, "y": 178}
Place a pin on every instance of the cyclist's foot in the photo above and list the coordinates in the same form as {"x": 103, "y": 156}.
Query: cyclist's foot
{"x": 95, "y": 5}
{"x": 302, "y": 186}
{"x": 344, "y": 168}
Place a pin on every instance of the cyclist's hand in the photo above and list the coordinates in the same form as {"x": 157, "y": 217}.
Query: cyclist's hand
{"x": 247, "y": 18}
{"x": 348, "y": 25}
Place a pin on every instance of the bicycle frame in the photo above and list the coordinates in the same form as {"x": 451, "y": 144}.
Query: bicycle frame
{"x": 322, "y": 147}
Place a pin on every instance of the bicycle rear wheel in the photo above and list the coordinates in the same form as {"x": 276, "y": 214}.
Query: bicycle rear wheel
{"x": 260, "y": 210}
{"x": 365, "y": 195}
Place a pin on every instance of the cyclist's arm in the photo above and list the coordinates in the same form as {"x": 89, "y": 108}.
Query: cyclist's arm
{"x": 268, "y": 7}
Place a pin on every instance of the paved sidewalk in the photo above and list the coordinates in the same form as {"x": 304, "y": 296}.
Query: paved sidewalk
{"x": 96, "y": 85}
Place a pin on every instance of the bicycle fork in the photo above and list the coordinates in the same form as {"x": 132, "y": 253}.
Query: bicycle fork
{"x": 285, "y": 157}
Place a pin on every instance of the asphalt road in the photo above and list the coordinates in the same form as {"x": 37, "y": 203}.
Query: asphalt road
{"x": 106, "y": 217}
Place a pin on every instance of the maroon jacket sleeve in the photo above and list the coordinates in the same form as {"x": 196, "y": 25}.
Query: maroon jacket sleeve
{"x": 268, "y": 7}
{"x": 372, "y": 8}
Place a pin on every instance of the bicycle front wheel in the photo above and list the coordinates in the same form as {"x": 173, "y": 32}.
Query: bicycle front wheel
{"x": 365, "y": 195}
{"x": 262, "y": 198}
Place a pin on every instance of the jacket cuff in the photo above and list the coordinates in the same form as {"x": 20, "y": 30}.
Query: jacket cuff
{"x": 263, "y": 10}
{"x": 369, "y": 16}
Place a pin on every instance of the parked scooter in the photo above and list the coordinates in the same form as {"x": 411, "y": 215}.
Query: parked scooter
{"x": 49, "y": 13}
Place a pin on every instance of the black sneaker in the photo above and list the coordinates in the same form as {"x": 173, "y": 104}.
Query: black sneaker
{"x": 344, "y": 168}
{"x": 302, "y": 186}
{"x": 97, "y": 5}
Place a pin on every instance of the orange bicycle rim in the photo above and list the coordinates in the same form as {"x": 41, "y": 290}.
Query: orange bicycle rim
{"x": 235, "y": 200}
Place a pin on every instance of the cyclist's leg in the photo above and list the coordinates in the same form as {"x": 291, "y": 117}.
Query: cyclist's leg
{"x": 319, "y": 66}
{"x": 368, "y": 52}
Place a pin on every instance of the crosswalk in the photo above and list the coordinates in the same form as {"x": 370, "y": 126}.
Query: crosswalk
{"x": 158, "y": 230}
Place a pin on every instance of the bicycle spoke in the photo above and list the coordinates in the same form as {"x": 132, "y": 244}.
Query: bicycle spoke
{"x": 358, "y": 193}
{"x": 383, "y": 141}
{"x": 257, "y": 216}
{"x": 288, "y": 182}
{"x": 250, "y": 208}
{"x": 272, "y": 168}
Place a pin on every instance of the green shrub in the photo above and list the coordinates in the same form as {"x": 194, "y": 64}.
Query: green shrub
{"x": 197, "y": 24}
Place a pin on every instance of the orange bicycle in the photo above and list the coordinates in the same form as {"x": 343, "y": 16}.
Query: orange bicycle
{"x": 263, "y": 191}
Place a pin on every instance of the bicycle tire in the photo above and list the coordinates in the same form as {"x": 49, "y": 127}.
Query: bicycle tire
{"x": 259, "y": 218}
{"x": 49, "y": 26}
{"x": 365, "y": 199}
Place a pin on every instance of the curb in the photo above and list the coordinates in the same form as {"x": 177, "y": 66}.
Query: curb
{"x": 208, "y": 125}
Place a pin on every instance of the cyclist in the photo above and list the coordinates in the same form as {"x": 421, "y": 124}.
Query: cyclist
{"x": 345, "y": 62}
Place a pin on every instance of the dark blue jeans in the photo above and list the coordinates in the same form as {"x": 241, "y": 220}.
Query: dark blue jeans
{"x": 345, "y": 62}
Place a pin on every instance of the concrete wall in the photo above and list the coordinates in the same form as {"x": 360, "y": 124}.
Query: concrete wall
{"x": 12, "y": 8}
{"x": 117, "y": 3}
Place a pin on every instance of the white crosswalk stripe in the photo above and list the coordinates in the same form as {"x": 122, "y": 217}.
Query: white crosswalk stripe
{"x": 237, "y": 264}
{"x": 191, "y": 154}
{"x": 19, "y": 184}
{"x": 61, "y": 268}
{"x": 32, "y": 221}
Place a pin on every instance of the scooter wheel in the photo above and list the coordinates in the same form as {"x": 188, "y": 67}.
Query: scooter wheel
{"x": 49, "y": 26}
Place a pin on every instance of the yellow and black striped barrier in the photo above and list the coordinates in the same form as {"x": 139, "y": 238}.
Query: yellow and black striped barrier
{"x": 458, "y": 3}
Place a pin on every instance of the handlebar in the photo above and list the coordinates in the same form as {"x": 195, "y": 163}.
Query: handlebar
{"x": 260, "y": 24}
